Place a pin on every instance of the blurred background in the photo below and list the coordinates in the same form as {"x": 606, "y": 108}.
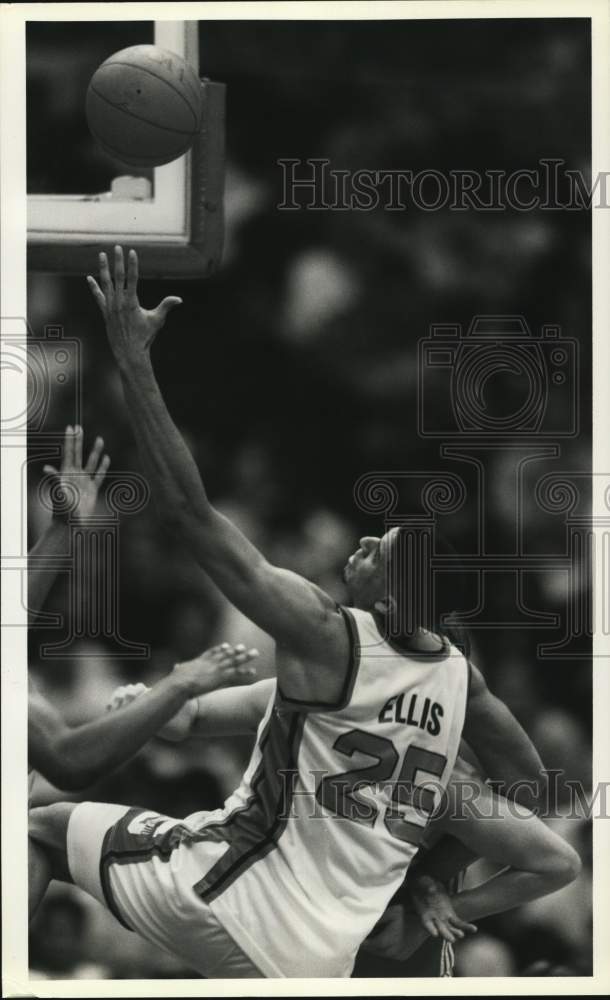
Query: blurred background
{"x": 293, "y": 372}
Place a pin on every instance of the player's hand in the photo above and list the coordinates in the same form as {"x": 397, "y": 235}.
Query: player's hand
{"x": 124, "y": 695}
{"x": 74, "y": 487}
{"x": 435, "y": 909}
{"x": 131, "y": 329}
{"x": 221, "y": 666}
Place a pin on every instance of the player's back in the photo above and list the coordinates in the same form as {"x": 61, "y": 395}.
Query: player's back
{"x": 331, "y": 809}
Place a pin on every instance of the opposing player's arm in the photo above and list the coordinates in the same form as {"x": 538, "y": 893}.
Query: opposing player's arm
{"x": 230, "y": 712}
{"x": 74, "y": 757}
{"x": 503, "y": 748}
{"x": 299, "y": 615}
{"x": 233, "y": 711}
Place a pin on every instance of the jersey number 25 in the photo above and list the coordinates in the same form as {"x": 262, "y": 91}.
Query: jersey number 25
{"x": 337, "y": 792}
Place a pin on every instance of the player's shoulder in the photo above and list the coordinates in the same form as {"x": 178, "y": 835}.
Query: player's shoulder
{"x": 423, "y": 644}
{"x": 476, "y": 681}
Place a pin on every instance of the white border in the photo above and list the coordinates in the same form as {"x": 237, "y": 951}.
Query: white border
{"x": 12, "y": 168}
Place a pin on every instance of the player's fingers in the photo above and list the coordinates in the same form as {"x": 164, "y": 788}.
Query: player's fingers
{"x": 166, "y": 306}
{"x": 135, "y": 690}
{"x": 235, "y": 653}
{"x": 462, "y": 925}
{"x": 237, "y": 657}
{"x": 446, "y": 932}
{"x": 100, "y": 475}
{"x": 246, "y": 671}
{"x": 223, "y": 656}
{"x": 78, "y": 447}
{"x": 105, "y": 279}
{"x": 219, "y": 654}
{"x": 245, "y": 655}
{"x": 128, "y": 694}
{"x": 132, "y": 274}
{"x": 67, "y": 457}
{"x": 430, "y": 926}
{"x": 97, "y": 293}
{"x": 94, "y": 456}
{"x": 227, "y": 659}
{"x": 119, "y": 272}
{"x": 116, "y": 697}
{"x": 238, "y": 675}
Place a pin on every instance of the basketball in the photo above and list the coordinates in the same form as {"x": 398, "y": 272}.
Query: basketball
{"x": 144, "y": 106}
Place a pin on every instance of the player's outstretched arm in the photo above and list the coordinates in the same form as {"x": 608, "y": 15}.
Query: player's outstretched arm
{"x": 72, "y": 758}
{"x": 505, "y": 752}
{"x": 296, "y": 613}
{"x": 74, "y": 491}
{"x": 235, "y": 711}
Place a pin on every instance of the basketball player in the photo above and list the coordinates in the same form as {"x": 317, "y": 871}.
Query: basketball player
{"x": 421, "y": 925}
{"x": 73, "y": 757}
{"x": 264, "y": 887}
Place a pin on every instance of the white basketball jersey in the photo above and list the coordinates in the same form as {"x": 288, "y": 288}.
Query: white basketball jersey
{"x": 332, "y": 807}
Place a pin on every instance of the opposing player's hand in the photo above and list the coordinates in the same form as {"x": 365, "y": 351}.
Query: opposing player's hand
{"x": 435, "y": 909}
{"x": 124, "y": 695}
{"x": 74, "y": 487}
{"x": 131, "y": 328}
{"x": 221, "y": 666}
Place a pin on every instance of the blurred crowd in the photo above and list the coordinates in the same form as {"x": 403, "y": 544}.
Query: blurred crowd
{"x": 293, "y": 372}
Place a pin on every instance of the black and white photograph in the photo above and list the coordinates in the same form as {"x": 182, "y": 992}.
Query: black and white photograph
{"x": 306, "y": 498}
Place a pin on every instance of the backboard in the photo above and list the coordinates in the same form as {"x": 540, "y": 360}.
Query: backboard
{"x": 173, "y": 214}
